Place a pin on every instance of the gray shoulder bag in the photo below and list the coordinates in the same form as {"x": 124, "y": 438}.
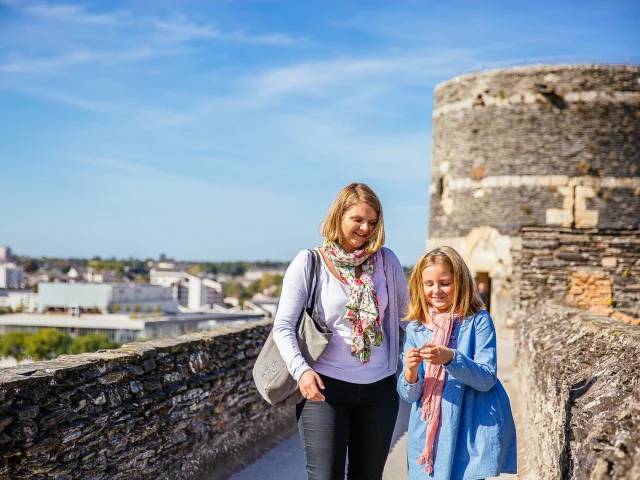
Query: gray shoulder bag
{"x": 270, "y": 373}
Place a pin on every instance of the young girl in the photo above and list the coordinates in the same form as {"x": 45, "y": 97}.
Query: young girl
{"x": 461, "y": 425}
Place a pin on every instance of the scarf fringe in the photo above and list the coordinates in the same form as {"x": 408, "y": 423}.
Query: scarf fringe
{"x": 426, "y": 459}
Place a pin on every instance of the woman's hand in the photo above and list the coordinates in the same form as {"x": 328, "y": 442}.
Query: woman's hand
{"x": 310, "y": 385}
{"x": 436, "y": 354}
{"x": 413, "y": 360}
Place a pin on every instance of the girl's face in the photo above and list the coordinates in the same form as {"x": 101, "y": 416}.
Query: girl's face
{"x": 438, "y": 287}
{"x": 358, "y": 224}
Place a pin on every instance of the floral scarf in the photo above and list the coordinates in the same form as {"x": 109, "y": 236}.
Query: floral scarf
{"x": 362, "y": 307}
{"x": 434, "y": 377}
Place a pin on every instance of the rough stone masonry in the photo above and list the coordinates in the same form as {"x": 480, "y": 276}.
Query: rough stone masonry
{"x": 545, "y": 145}
{"x": 164, "y": 409}
{"x": 536, "y": 182}
{"x": 578, "y": 352}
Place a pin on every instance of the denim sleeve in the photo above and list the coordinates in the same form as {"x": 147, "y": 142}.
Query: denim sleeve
{"x": 479, "y": 373}
{"x": 409, "y": 392}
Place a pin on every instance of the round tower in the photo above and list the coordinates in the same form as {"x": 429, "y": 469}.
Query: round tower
{"x": 540, "y": 145}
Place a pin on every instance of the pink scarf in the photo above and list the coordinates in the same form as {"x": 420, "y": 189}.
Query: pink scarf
{"x": 434, "y": 376}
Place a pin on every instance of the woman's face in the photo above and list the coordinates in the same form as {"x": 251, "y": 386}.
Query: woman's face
{"x": 438, "y": 287}
{"x": 358, "y": 224}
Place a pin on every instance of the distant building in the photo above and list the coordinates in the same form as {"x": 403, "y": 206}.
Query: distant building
{"x": 19, "y": 300}
{"x": 164, "y": 277}
{"x": 264, "y": 304}
{"x": 73, "y": 274}
{"x": 11, "y": 276}
{"x": 105, "y": 297}
{"x": 122, "y": 328}
{"x": 5, "y": 254}
{"x": 202, "y": 292}
{"x": 190, "y": 291}
{"x": 98, "y": 276}
{"x": 254, "y": 274}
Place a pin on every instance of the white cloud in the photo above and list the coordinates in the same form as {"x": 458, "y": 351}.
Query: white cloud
{"x": 64, "y": 98}
{"x": 48, "y": 64}
{"x": 315, "y": 77}
{"x": 181, "y": 29}
{"x": 70, "y": 13}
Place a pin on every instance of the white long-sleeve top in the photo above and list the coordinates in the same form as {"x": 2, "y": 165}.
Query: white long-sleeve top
{"x": 331, "y": 299}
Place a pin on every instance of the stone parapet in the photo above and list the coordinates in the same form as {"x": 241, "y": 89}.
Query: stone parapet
{"x": 597, "y": 270}
{"x": 578, "y": 374}
{"x": 164, "y": 409}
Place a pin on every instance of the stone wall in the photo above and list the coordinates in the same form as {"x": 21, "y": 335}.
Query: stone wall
{"x": 579, "y": 375}
{"x": 597, "y": 270}
{"x": 165, "y": 409}
{"x": 579, "y": 368}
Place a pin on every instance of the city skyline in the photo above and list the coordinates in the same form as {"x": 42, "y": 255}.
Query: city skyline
{"x": 222, "y": 131}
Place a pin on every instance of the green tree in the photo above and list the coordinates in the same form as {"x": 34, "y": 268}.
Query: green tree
{"x": 195, "y": 269}
{"x": 46, "y": 344}
{"x": 127, "y": 308}
{"x": 158, "y": 309}
{"x": 147, "y": 309}
{"x": 115, "y": 308}
{"x": 31, "y": 266}
{"x": 91, "y": 343}
{"x": 12, "y": 345}
{"x": 136, "y": 309}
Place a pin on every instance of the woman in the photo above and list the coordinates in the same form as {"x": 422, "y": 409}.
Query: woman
{"x": 350, "y": 399}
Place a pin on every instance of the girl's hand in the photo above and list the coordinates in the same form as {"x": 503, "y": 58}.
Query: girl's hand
{"x": 436, "y": 354}
{"x": 310, "y": 385}
{"x": 413, "y": 360}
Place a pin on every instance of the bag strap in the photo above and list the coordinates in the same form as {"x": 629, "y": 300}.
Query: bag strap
{"x": 312, "y": 283}
{"x": 312, "y": 288}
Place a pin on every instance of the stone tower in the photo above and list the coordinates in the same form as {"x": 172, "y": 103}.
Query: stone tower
{"x": 542, "y": 145}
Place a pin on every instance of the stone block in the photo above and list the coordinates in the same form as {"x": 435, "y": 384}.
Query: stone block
{"x": 609, "y": 262}
{"x": 556, "y": 216}
{"x": 25, "y": 412}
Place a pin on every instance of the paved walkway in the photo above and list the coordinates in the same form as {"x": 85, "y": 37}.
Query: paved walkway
{"x": 286, "y": 460}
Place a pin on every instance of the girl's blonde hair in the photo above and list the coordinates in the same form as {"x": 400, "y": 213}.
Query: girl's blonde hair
{"x": 466, "y": 299}
{"x": 348, "y": 197}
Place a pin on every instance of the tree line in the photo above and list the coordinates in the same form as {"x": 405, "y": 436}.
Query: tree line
{"x": 235, "y": 289}
{"x": 48, "y": 343}
{"x": 137, "y": 269}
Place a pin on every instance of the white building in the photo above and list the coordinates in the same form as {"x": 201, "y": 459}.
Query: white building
{"x": 254, "y": 274}
{"x": 5, "y": 254}
{"x": 202, "y": 292}
{"x": 122, "y": 328}
{"x": 11, "y": 276}
{"x": 19, "y": 300}
{"x": 190, "y": 291}
{"x": 98, "y": 276}
{"x": 165, "y": 278}
{"x": 105, "y": 297}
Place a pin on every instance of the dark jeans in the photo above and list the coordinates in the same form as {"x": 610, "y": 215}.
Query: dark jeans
{"x": 354, "y": 418}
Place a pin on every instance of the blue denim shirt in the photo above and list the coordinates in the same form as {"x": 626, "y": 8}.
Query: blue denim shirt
{"x": 477, "y": 435}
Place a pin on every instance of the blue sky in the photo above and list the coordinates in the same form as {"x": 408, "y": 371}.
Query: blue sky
{"x": 222, "y": 130}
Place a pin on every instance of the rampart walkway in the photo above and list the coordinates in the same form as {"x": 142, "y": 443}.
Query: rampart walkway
{"x": 286, "y": 460}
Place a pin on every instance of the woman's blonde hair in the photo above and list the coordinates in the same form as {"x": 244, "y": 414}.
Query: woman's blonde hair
{"x": 466, "y": 299}
{"x": 348, "y": 197}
